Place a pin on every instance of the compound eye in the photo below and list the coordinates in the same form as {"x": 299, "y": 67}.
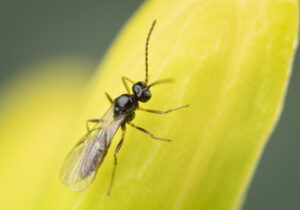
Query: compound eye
{"x": 146, "y": 96}
{"x": 138, "y": 88}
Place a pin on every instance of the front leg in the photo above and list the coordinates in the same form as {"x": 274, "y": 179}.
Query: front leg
{"x": 162, "y": 112}
{"x": 125, "y": 80}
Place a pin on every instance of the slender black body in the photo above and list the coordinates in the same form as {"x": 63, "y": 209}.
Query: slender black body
{"x": 126, "y": 104}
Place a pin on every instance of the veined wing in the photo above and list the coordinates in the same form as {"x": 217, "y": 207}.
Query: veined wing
{"x": 81, "y": 164}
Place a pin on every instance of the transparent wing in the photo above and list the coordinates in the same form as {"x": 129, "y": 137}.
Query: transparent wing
{"x": 81, "y": 164}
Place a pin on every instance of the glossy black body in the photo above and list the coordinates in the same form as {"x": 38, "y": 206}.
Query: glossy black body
{"x": 126, "y": 104}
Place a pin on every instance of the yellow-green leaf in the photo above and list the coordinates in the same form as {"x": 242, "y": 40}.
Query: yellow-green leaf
{"x": 231, "y": 62}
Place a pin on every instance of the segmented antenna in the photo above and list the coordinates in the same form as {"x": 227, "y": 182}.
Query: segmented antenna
{"x": 146, "y": 50}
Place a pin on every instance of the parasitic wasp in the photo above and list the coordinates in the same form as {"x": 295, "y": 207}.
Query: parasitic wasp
{"x": 81, "y": 164}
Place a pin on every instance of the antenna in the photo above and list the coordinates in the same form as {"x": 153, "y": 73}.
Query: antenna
{"x": 146, "y": 50}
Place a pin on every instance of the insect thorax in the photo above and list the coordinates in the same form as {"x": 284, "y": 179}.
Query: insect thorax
{"x": 125, "y": 105}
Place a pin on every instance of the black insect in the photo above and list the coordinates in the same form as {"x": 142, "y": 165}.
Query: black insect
{"x": 82, "y": 163}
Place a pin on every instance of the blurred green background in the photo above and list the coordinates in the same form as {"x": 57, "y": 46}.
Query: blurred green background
{"x": 33, "y": 31}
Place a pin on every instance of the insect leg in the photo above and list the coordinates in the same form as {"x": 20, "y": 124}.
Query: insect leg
{"x": 148, "y": 132}
{"x": 88, "y": 133}
{"x": 162, "y": 112}
{"x": 92, "y": 121}
{"x": 109, "y": 98}
{"x": 88, "y": 129}
{"x": 116, "y": 160}
{"x": 125, "y": 80}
